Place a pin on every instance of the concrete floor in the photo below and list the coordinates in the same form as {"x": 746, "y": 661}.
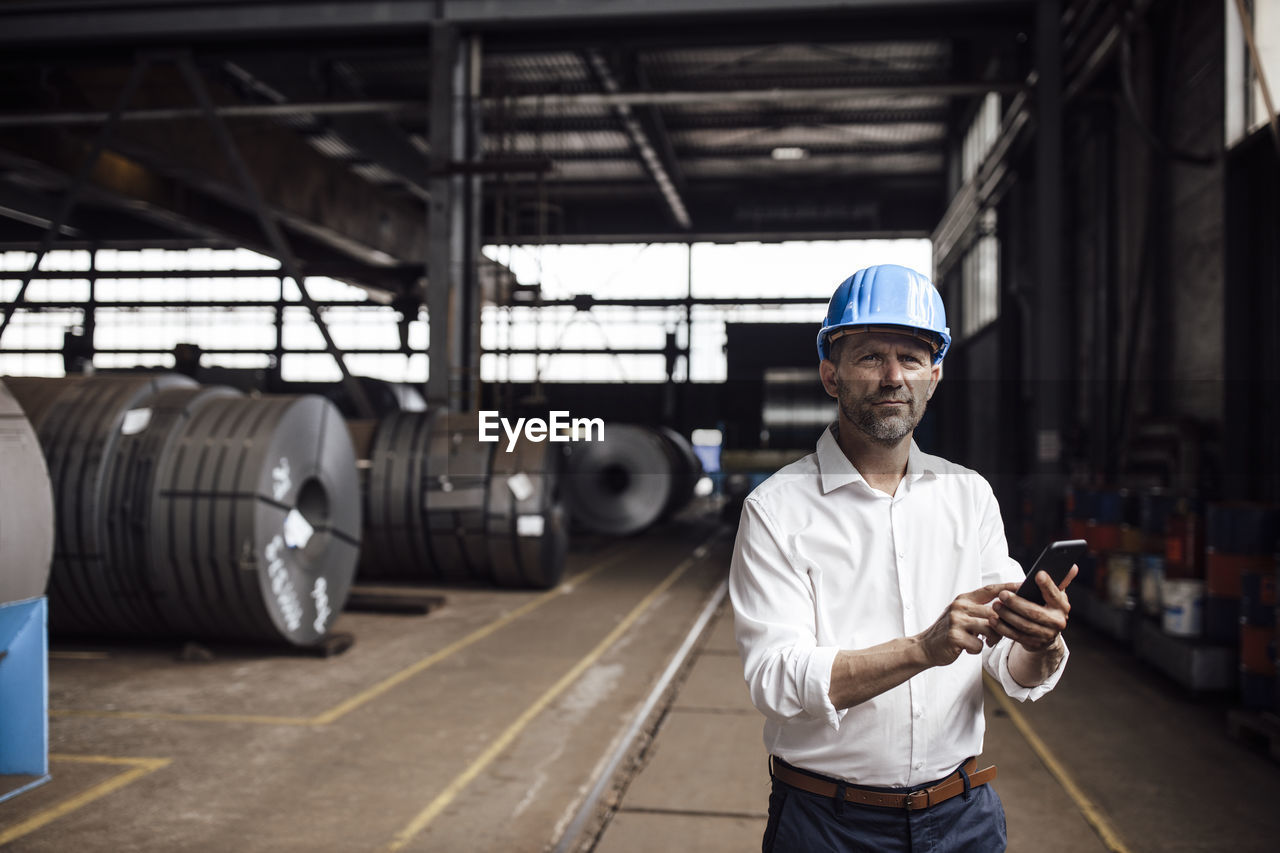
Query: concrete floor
{"x": 483, "y": 725}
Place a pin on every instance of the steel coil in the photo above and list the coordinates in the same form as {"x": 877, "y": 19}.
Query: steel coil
{"x": 195, "y": 512}
{"x": 130, "y": 553}
{"x": 527, "y": 524}
{"x": 621, "y": 484}
{"x": 26, "y": 506}
{"x": 457, "y": 496}
{"x": 257, "y": 518}
{"x": 686, "y": 470}
{"x": 442, "y": 506}
{"x": 82, "y": 424}
{"x": 396, "y": 544}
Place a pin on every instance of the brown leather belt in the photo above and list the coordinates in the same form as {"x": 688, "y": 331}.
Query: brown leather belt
{"x": 922, "y": 799}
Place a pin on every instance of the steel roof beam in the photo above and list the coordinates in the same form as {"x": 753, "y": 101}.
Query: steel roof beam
{"x": 34, "y": 209}
{"x": 535, "y": 103}
{"x": 373, "y": 135}
{"x": 31, "y": 23}
{"x": 664, "y": 174}
{"x": 552, "y": 100}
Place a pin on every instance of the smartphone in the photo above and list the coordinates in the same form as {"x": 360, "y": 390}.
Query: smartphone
{"x": 1057, "y": 560}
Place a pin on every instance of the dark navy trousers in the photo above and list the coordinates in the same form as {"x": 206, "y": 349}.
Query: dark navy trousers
{"x": 801, "y": 822}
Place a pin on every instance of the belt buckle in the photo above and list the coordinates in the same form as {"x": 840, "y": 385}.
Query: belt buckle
{"x": 910, "y": 803}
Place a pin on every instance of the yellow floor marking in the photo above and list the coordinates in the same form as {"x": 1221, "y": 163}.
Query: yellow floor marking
{"x": 369, "y": 694}
{"x": 460, "y": 782}
{"x": 386, "y": 684}
{"x": 138, "y": 767}
{"x": 1092, "y": 814}
{"x": 174, "y": 716}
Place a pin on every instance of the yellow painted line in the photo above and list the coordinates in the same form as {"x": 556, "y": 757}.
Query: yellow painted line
{"x": 1092, "y": 814}
{"x": 369, "y": 694}
{"x": 173, "y": 716}
{"x": 66, "y": 655}
{"x": 476, "y": 636}
{"x": 424, "y": 818}
{"x": 138, "y": 767}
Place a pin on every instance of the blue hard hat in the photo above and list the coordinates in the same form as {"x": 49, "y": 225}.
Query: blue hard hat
{"x": 888, "y": 295}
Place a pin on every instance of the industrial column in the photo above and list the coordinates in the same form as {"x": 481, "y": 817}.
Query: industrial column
{"x": 1051, "y": 349}
{"x": 453, "y": 225}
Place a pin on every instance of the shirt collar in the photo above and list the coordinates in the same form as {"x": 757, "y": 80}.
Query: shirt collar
{"x": 836, "y": 469}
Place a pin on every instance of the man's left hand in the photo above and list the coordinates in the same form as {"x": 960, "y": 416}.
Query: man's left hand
{"x": 1032, "y": 626}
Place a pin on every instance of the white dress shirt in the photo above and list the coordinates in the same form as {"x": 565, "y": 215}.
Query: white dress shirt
{"x": 824, "y": 562}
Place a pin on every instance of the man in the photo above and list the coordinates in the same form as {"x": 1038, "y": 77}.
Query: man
{"x": 844, "y": 561}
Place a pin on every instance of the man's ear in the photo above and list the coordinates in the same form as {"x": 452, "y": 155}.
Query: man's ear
{"x": 827, "y": 372}
{"x": 934, "y": 378}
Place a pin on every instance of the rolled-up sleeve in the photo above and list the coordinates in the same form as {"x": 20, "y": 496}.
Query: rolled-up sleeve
{"x": 788, "y": 674}
{"x": 999, "y": 567}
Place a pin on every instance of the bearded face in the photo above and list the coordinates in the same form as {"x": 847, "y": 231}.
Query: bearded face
{"x": 882, "y": 382}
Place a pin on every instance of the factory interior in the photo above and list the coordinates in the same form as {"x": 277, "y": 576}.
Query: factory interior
{"x": 381, "y": 384}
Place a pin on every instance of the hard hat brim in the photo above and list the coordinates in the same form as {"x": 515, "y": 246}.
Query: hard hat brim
{"x": 930, "y": 339}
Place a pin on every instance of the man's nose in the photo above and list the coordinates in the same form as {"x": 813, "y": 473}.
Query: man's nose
{"x": 892, "y": 374}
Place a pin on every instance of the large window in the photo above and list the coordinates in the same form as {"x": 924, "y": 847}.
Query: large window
{"x": 980, "y": 279}
{"x": 229, "y": 304}
{"x": 725, "y": 283}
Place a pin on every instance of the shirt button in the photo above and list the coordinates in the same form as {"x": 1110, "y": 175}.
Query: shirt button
{"x": 902, "y": 555}
{"x": 907, "y": 605}
{"x": 918, "y": 713}
{"x": 919, "y": 765}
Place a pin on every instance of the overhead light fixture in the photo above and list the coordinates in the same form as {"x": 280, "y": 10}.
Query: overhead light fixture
{"x": 789, "y": 153}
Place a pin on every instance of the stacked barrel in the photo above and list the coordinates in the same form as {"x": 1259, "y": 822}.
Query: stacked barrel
{"x": 193, "y": 512}
{"x": 1182, "y": 585}
{"x": 1240, "y": 569}
{"x": 1145, "y": 555}
{"x": 1103, "y": 518}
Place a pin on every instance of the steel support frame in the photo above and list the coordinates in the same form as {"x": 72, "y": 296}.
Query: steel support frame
{"x": 1051, "y": 347}
{"x": 374, "y": 136}
{"x": 78, "y": 183}
{"x": 453, "y": 221}
{"x": 31, "y": 23}
{"x": 661, "y": 169}
{"x": 271, "y": 228}
{"x": 535, "y": 102}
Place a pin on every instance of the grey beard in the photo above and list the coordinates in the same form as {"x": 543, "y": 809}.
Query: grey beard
{"x": 883, "y": 430}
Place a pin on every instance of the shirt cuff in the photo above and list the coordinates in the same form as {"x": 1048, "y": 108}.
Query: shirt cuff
{"x": 817, "y": 687}
{"x": 1012, "y": 688}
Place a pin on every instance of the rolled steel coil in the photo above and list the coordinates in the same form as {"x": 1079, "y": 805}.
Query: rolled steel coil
{"x": 527, "y": 525}
{"x": 196, "y": 512}
{"x": 396, "y": 543}
{"x": 457, "y": 496}
{"x": 621, "y": 484}
{"x": 257, "y": 520}
{"x": 82, "y": 423}
{"x": 142, "y": 450}
{"x": 686, "y": 470}
{"x": 631, "y": 479}
{"x": 440, "y": 505}
{"x": 26, "y": 506}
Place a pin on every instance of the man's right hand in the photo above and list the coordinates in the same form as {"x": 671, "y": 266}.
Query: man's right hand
{"x": 962, "y": 626}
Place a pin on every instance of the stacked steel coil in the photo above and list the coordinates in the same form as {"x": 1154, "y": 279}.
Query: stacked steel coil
{"x": 26, "y": 506}
{"x": 195, "y": 512}
{"x": 632, "y": 478}
{"x": 440, "y": 505}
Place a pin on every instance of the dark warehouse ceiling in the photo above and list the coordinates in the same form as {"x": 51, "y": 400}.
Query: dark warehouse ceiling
{"x": 599, "y": 122}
